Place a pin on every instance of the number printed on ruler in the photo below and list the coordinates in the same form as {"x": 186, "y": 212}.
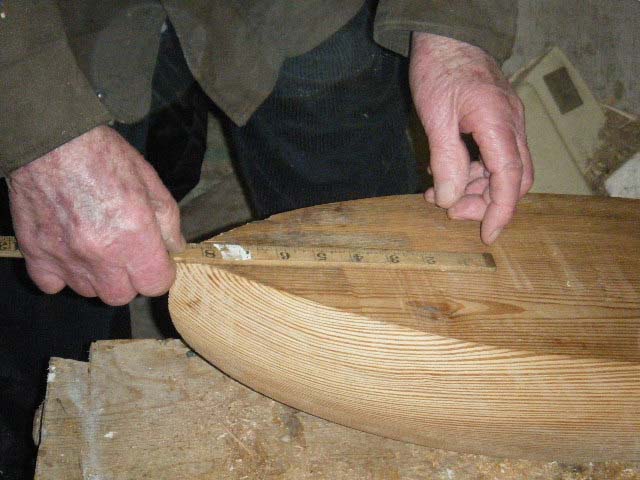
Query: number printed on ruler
{"x": 8, "y": 243}
{"x": 272, "y": 254}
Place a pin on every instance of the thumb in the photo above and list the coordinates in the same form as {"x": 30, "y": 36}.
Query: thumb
{"x": 168, "y": 218}
{"x": 165, "y": 209}
{"x": 449, "y": 165}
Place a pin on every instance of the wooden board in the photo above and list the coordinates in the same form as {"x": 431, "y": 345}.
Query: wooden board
{"x": 154, "y": 409}
{"x": 539, "y": 359}
{"x": 61, "y": 431}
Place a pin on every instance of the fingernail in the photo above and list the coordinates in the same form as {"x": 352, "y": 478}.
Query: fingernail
{"x": 445, "y": 193}
{"x": 494, "y": 235}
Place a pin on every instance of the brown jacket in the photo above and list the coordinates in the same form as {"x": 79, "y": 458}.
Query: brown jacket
{"x": 69, "y": 65}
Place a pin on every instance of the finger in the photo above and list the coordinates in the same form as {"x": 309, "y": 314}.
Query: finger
{"x": 528, "y": 173}
{"x": 168, "y": 218}
{"x": 165, "y": 209}
{"x": 494, "y": 221}
{"x": 46, "y": 280}
{"x": 477, "y": 186}
{"x": 430, "y": 195}
{"x": 469, "y": 207}
{"x": 523, "y": 148}
{"x": 81, "y": 285}
{"x": 449, "y": 163}
{"x": 113, "y": 286}
{"x": 152, "y": 274}
{"x": 476, "y": 170}
{"x": 501, "y": 156}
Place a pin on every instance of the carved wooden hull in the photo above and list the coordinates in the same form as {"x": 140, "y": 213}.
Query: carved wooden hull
{"x": 540, "y": 359}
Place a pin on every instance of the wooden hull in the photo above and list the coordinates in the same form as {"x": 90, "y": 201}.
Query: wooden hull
{"x": 540, "y": 359}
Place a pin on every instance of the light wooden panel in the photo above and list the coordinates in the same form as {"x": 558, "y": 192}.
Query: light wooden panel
{"x": 153, "y": 409}
{"x": 59, "y": 431}
{"x": 540, "y": 359}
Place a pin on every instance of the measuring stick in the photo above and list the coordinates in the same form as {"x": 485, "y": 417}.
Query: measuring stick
{"x": 280, "y": 255}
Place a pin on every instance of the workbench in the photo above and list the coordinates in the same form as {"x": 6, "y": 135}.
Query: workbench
{"x": 155, "y": 409}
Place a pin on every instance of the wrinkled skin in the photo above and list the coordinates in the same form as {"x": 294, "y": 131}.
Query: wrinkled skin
{"x": 457, "y": 89}
{"x": 93, "y": 215}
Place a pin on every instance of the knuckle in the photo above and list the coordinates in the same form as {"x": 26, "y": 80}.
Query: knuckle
{"x": 117, "y": 301}
{"x": 166, "y": 206}
{"x": 86, "y": 245}
{"x": 42, "y": 274}
{"x": 48, "y": 285}
{"x": 139, "y": 217}
{"x": 113, "y": 287}
{"x": 117, "y": 298}
{"x": 156, "y": 284}
{"x": 527, "y": 182}
{"x": 492, "y": 95}
{"x": 173, "y": 212}
{"x": 517, "y": 105}
{"x": 514, "y": 168}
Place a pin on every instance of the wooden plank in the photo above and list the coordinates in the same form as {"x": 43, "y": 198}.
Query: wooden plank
{"x": 539, "y": 359}
{"x": 61, "y": 429}
{"x": 159, "y": 411}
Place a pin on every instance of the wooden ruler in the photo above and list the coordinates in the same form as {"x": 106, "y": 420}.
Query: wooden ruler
{"x": 9, "y": 248}
{"x": 281, "y": 255}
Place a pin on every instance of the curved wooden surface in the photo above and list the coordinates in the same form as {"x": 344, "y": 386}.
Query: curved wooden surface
{"x": 540, "y": 359}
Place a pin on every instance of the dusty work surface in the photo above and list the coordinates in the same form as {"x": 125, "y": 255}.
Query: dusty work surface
{"x": 154, "y": 409}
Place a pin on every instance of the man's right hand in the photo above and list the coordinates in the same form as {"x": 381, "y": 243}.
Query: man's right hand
{"x": 93, "y": 214}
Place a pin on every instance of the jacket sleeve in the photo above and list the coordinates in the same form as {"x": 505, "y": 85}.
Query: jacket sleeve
{"x": 488, "y": 24}
{"x": 45, "y": 99}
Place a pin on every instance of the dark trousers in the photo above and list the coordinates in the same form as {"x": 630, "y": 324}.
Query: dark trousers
{"x": 333, "y": 129}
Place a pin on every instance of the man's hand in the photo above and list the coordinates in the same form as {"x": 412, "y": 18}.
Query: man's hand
{"x": 458, "y": 88}
{"x": 93, "y": 215}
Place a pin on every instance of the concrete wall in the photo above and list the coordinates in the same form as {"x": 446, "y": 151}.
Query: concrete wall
{"x": 600, "y": 37}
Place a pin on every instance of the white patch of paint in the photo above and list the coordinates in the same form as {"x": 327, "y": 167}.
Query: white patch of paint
{"x": 625, "y": 181}
{"x": 232, "y": 252}
{"x": 109, "y": 434}
{"x": 51, "y": 376}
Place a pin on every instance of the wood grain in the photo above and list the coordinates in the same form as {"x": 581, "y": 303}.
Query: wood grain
{"x": 539, "y": 359}
{"x": 155, "y": 409}
{"x": 61, "y": 433}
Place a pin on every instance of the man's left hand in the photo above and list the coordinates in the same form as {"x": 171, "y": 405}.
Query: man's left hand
{"x": 458, "y": 88}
